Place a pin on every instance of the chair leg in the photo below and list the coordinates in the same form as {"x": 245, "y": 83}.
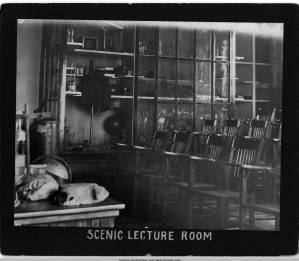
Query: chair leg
{"x": 242, "y": 217}
{"x": 164, "y": 204}
{"x": 135, "y": 186}
{"x": 223, "y": 213}
{"x": 188, "y": 211}
{"x": 251, "y": 219}
{"x": 150, "y": 200}
{"x": 277, "y": 222}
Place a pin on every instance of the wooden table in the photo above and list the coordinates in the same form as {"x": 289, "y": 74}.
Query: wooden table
{"x": 45, "y": 213}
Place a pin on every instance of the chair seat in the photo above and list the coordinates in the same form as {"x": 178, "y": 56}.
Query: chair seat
{"x": 195, "y": 187}
{"x": 267, "y": 208}
{"x": 178, "y": 183}
{"x": 220, "y": 194}
{"x": 149, "y": 175}
{"x": 147, "y": 171}
{"x": 202, "y": 185}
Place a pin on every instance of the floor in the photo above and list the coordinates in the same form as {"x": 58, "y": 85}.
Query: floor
{"x": 127, "y": 221}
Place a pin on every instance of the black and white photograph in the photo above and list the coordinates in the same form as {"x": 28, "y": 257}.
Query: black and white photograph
{"x": 159, "y": 125}
{"x": 149, "y": 130}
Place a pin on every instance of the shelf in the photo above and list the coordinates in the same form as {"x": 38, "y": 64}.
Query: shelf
{"x": 145, "y": 98}
{"x": 145, "y": 79}
{"x": 264, "y": 85}
{"x": 112, "y": 76}
{"x": 166, "y": 99}
{"x": 35, "y": 115}
{"x": 75, "y": 75}
{"x": 262, "y": 101}
{"x": 244, "y": 100}
{"x": 98, "y": 52}
{"x": 220, "y": 99}
{"x": 74, "y": 44}
{"x": 146, "y": 55}
{"x": 71, "y": 93}
{"x": 121, "y": 97}
{"x": 185, "y": 100}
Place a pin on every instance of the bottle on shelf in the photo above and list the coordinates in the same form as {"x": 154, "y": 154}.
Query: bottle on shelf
{"x": 70, "y": 35}
{"x": 21, "y": 138}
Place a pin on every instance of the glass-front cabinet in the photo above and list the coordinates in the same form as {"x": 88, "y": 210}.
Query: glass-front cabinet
{"x": 170, "y": 77}
{"x": 200, "y": 73}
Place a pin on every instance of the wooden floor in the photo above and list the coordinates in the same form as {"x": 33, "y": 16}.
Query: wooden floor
{"x": 127, "y": 221}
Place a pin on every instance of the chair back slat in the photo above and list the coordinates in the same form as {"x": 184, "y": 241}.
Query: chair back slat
{"x": 209, "y": 126}
{"x": 257, "y": 128}
{"x": 231, "y": 127}
{"x": 244, "y": 151}
{"x": 180, "y": 142}
{"x": 276, "y": 115}
{"x": 215, "y": 147}
{"x": 160, "y": 140}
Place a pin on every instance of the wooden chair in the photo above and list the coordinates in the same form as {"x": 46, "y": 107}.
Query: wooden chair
{"x": 209, "y": 127}
{"x": 276, "y": 115}
{"x": 150, "y": 182}
{"x": 243, "y": 152}
{"x": 133, "y": 160}
{"x": 204, "y": 174}
{"x": 257, "y": 128}
{"x": 262, "y": 200}
{"x": 230, "y": 127}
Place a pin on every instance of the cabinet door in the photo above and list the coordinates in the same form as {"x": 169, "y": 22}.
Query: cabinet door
{"x": 262, "y": 50}
{"x": 166, "y": 119}
{"x": 167, "y": 42}
{"x": 244, "y": 82}
{"x": 222, "y": 81}
{"x": 145, "y": 122}
{"x": 146, "y": 43}
{"x": 167, "y": 78}
{"x": 243, "y": 48}
{"x": 221, "y": 112}
{"x": 202, "y": 111}
{"x": 263, "y": 82}
{"x": 203, "y": 44}
{"x": 243, "y": 110}
{"x": 186, "y": 43}
{"x": 185, "y": 117}
{"x": 125, "y": 108}
{"x": 203, "y": 82}
{"x": 221, "y": 47}
{"x": 146, "y": 77}
{"x": 185, "y": 79}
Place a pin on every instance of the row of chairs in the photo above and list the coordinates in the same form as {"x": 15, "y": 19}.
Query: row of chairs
{"x": 182, "y": 175}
